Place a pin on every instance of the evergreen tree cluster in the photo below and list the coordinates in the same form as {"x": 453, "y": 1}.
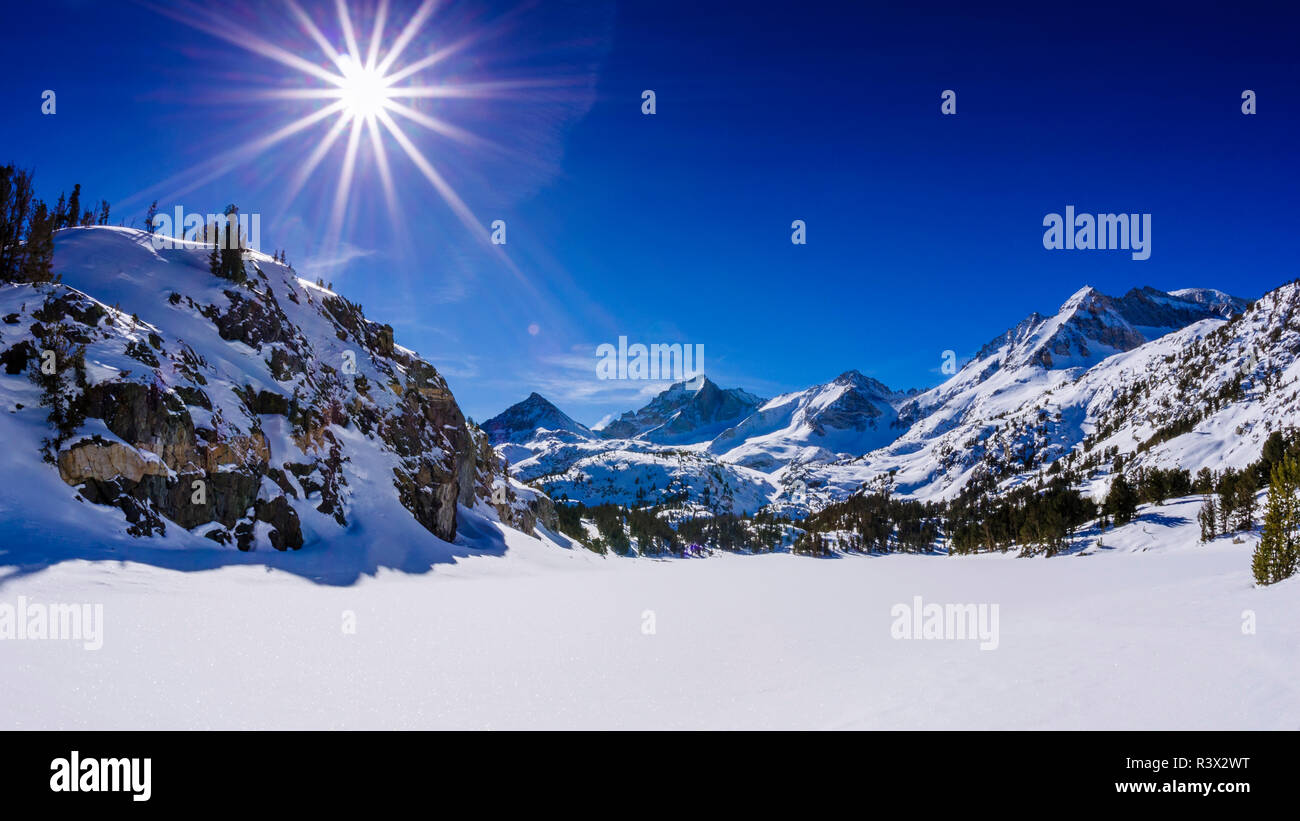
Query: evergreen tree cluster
{"x": 1277, "y": 555}
{"x": 617, "y": 527}
{"x": 1230, "y": 503}
{"x": 872, "y": 522}
{"x": 812, "y": 543}
{"x": 1156, "y": 485}
{"x": 727, "y": 531}
{"x": 1121, "y": 503}
{"x": 1036, "y": 518}
{"x": 1039, "y": 518}
{"x": 647, "y": 530}
{"x": 27, "y": 226}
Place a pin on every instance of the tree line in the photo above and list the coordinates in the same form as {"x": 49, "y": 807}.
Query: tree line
{"x": 27, "y": 225}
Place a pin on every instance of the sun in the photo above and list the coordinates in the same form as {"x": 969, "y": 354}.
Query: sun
{"x": 363, "y": 89}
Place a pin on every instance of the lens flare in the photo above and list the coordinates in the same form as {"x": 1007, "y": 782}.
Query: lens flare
{"x": 359, "y": 92}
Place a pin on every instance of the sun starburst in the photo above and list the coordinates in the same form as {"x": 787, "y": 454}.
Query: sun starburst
{"x": 360, "y": 89}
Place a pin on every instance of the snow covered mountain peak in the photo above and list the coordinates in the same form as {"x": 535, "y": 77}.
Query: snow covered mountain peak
{"x": 524, "y": 420}
{"x": 851, "y": 414}
{"x": 692, "y": 411}
{"x": 1047, "y": 385}
{"x": 1225, "y": 305}
{"x": 873, "y": 387}
{"x": 1090, "y": 326}
{"x": 1080, "y": 298}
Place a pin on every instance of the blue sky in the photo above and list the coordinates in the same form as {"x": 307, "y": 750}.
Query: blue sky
{"x": 924, "y": 230}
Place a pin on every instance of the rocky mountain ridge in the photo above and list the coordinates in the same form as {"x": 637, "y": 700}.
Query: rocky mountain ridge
{"x": 249, "y": 410}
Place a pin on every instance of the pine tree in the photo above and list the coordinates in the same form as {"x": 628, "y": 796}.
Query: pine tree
{"x": 1122, "y": 501}
{"x": 61, "y": 383}
{"x": 214, "y": 260}
{"x": 1278, "y": 553}
{"x": 1227, "y": 497}
{"x": 1244, "y": 502}
{"x": 15, "y": 208}
{"x": 232, "y": 250}
{"x": 74, "y": 205}
{"x": 38, "y": 256}
{"x": 1209, "y": 519}
{"x": 1272, "y": 453}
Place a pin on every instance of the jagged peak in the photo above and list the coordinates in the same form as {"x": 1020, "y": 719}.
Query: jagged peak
{"x": 857, "y": 379}
{"x": 696, "y": 383}
{"x": 524, "y": 417}
{"x": 1084, "y": 298}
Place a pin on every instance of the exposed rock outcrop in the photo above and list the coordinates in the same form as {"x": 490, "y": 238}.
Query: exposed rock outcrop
{"x": 190, "y": 400}
{"x": 102, "y": 460}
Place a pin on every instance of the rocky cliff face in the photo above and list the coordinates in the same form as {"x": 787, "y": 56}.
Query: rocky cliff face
{"x": 692, "y": 411}
{"x": 246, "y": 412}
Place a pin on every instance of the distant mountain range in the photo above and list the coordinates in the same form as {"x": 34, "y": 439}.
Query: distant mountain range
{"x": 1027, "y": 396}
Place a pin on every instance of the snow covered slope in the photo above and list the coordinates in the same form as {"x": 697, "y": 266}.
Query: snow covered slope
{"x": 689, "y": 412}
{"x": 1207, "y": 396}
{"x": 172, "y": 376}
{"x": 1225, "y": 305}
{"x": 254, "y": 411}
{"x": 651, "y": 456}
{"x": 849, "y": 416}
{"x": 1140, "y": 633}
{"x": 633, "y": 472}
{"x": 1025, "y": 399}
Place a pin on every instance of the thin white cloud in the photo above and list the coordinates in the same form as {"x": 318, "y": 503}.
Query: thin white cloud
{"x": 343, "y": 256}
